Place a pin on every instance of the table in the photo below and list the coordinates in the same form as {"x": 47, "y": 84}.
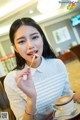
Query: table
{"x": 75, "y": 118}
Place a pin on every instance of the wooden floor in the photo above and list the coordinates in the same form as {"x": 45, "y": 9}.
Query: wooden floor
{"x": 73, "y": 68}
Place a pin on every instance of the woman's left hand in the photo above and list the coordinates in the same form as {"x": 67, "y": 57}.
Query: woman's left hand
{"x": 76, "y": 97}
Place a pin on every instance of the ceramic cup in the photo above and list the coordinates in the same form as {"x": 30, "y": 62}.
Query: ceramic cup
{"x": 64, "y": 104}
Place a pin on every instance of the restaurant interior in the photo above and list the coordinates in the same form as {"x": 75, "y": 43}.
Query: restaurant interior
{"x": 60, "y": 21}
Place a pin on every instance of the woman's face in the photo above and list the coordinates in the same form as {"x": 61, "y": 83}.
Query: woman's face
{"x": 27, "y": 42}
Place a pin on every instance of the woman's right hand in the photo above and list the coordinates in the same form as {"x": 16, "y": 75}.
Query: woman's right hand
{"x": 27, "y": 86}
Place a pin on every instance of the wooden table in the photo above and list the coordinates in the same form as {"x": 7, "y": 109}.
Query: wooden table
{"x": 76, "y": 118}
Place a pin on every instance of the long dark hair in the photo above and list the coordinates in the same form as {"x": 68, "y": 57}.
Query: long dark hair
{"x": 47, "y": 51}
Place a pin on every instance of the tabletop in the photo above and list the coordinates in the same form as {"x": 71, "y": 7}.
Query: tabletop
{"x": 75, "y": 118}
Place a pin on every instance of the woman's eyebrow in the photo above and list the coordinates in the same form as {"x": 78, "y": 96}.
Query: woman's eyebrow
{"x": 34, "y": 34}
{"x": 20, "y": 38}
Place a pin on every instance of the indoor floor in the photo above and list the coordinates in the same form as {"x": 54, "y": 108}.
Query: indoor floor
{"x": 73, "y": 68}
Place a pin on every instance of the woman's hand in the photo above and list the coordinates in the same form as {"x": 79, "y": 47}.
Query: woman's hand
{"x": 76, "y": 97}
{"x": 27, "y": 86}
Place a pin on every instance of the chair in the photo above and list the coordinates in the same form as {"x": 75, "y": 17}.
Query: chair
{"x": 76, "y": 51}
{"x": 67, "y": 57}
{"x": 4, "y": 102}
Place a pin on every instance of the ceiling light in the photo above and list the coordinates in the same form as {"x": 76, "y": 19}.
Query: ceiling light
{"x": 48, "y": 6}
{"x": 31, "y": 11}
{"x": 11, "y": 6}
{"x": 4, "y": 29}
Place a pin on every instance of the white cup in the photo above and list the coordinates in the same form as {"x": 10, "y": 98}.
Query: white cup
{"x": 64, "y": 104}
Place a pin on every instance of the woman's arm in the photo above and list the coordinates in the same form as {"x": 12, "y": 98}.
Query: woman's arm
{"x": 30, "y": 110}
{"x": 27, "y": 86}
{"x": 22, "y": 95}
{"x": 19, "y": 105}
{"x": 67, "y": 89}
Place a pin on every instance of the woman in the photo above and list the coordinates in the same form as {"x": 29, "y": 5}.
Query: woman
{"x": 32, "y": 98}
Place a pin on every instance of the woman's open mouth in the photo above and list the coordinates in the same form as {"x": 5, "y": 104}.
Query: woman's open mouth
{"x": 32, "y": 53}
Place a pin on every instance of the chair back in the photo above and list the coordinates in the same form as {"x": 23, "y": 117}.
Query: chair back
{"x": 76, "y": 51}
{"x": 4, "y": 102}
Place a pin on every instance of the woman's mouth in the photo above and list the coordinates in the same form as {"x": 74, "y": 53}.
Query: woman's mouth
{"x": 33, "y": 53}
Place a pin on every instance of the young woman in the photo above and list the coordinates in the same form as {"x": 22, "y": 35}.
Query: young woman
{"x": 45, "y": 77}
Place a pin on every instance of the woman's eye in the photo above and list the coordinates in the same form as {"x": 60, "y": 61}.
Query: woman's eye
{"x": 21, "y": 42}
{"x": 35, "y": 37}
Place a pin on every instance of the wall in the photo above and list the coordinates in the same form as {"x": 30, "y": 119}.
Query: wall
{"x": 57, "y": 23}
{"x": 7, "y": 46}
{"x": 49, "y": 26}
{"x": 63, "y": 45}
{"x": 77, "y": 27}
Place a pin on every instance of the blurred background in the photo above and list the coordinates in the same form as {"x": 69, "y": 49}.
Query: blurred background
{"x": 59, "y": 19}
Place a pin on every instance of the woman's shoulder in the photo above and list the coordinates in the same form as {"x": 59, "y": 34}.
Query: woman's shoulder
{"x": 10, "y": 76}
{"x": 54, "y": 61}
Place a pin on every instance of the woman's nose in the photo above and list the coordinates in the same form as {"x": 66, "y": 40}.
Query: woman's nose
{"x": 29, "y": 44}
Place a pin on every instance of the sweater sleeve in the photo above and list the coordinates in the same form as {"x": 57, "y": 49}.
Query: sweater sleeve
{"x": 17, "y": 103}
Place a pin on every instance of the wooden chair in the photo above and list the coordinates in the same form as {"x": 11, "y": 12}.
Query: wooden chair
{"x": 67, "y": 57}
{"x": 4, "y": 103}
{"x": 76, "y": 51}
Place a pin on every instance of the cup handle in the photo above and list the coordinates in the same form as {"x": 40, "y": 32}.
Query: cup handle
{"x": 56, "y": 108}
